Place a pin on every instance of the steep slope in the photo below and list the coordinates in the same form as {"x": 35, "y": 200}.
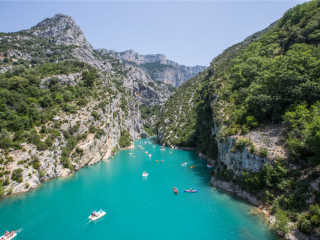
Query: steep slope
{"x": 254, "y": 111}
{"x": 158, "y": 66}
{"x": 62, "y": 106}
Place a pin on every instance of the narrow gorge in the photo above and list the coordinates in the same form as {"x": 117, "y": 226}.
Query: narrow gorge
{"x": 253, "y": 114}
{"x": 65, "y": 105}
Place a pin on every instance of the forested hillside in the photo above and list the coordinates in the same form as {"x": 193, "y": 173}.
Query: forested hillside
{"x": 256, "y": 112}
{"x": 62, "y": 106}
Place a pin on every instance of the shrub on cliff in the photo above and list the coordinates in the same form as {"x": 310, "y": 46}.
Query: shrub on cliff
{"x": 125, "y": 139}
{"x": 17, "y": 175}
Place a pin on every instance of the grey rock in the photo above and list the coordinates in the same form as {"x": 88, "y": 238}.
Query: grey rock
{"x": 167, "y": 71}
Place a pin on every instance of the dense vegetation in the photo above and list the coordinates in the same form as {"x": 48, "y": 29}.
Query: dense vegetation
{"x": 125, "y": 139}
{"x": 272, "y": 77}
{"x": 25, "y": 102}
{"x": 187, "y": 116}
{"x": 150, "y": 115}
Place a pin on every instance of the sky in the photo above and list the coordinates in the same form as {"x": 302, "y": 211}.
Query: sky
{"x": 187, "y": 32}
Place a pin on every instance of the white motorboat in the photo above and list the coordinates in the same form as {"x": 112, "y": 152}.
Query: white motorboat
{"x": 96, "y": 215}
{"x": 9, "y": 235}
{"x": 144, "y": 174}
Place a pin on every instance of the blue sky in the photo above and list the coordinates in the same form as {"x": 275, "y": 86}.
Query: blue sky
{"x": 188, "y": 32}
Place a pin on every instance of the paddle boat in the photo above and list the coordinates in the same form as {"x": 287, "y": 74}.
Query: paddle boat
{"x": 96, "y": 215}
{"x": 190, "y": 190}
{"x": 144, "y": 174}
{"x": 192, "y": 166}
{"x": 209, "y": 165}
{"x": 184, "y": 164}
{"x": 9, "y": 235}
{"x": 175, "y": 190}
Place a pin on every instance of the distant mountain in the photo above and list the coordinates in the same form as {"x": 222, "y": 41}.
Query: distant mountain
{"x": 158, "y": 66}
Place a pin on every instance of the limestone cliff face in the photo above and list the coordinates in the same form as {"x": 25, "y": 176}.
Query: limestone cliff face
{"x": 61, "y": 29}
{"x": 95, "y": 127}
{"x": 143, "y": 87}
{"x": 89, "y": 150}
{"x": 158, "y": 66}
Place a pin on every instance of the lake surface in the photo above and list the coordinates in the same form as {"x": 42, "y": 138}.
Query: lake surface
{"x": 137, "y": 207}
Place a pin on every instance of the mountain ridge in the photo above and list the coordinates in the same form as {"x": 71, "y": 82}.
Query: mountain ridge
{"x": 168, "y": 71}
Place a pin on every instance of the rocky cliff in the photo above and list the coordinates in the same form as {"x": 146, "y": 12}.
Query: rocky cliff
{"x": 62, "y": 105}
{"x": 158, "y": 66}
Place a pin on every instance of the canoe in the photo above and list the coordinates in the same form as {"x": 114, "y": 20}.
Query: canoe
{"x": 191, "y": 191}
{"x": 98, "y": 215}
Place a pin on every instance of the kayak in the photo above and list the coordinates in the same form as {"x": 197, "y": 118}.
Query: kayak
{"x": 175, "y": 190}
{"x": 191, "y": 191}
{"x": 96, "y": 215}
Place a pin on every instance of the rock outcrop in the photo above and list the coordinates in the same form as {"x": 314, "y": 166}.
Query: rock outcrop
{"x": 158, "y": 66}
{"x": 61, "y": 29}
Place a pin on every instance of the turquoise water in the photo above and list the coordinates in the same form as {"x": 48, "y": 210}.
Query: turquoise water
{"x": 137, "y": 207}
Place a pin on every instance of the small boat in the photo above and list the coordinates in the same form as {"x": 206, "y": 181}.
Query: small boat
{"x": 9, "y": 235}
{"x": 192, "y": 166}
{"x": 162, "y": 161}
{"x": 209, "y": 165}
{"x": 149, "y": 155}
{"x": 162, "y": 149}
{"x": 130, "y": 153}
{"x": 191, "y": 190}
{"x": 170, "y": 152}
{"x": 175, "y": 190}
{"x": 156, "y": 160}
{"x": 96, "y": 215}
{"x": 184, "y": 164}
{"x": 133, "y": 156}
{"x": 146, "y": 152}
{"x": 144, "y": 174}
